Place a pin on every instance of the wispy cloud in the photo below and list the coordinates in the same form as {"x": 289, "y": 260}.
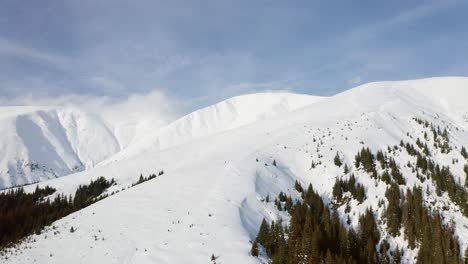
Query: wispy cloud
{"x": 373, "y": 30}
{"x": 12, "y": 49}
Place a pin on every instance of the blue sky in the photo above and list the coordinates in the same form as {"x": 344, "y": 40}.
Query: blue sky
{"x": 204, "y": 51}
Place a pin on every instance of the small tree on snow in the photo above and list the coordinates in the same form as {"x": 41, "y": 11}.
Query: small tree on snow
{"x": 213, "y": 258}
{"x": 337, "y": 160}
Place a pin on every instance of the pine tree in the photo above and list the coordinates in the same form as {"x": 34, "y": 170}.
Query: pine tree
{"x": 298, "y": 187}
{"x": 346, "y": 169}
{"x": 337, "y": 191}
{"x": 360, "y": 193}
{"x": 464, "y": 153}
{"x": 337, "y": 160}
{"x": 254, "y": 249}
{"x": 263, "y": 236}
{"x": 393, "y": 212}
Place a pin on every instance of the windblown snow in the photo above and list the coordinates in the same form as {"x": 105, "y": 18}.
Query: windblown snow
{"x": 218, "y": 168}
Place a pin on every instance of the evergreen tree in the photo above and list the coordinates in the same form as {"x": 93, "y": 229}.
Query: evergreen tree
{"x": 263, "y": 233}
{"x": 463, "y": 152}
{"x": 393, "y": 212}
{"x": 346, "y": 169}
{"x": 337, "y": 160}
{"x": 337, "y": 191}
{"x": 254, "y": 249}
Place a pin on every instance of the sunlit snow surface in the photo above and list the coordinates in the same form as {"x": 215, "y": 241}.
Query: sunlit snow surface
{"x": 209, "y": 201}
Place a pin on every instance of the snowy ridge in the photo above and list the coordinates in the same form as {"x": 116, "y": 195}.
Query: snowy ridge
{"x": 211, "y": 198}
{"x": 44, "y": 142}
{"x": 40, "y": 143}
{"x": 226, "y": 115}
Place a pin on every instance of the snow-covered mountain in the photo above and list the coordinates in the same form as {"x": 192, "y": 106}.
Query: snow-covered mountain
{"x": 40, "y": 143}
{"x": 218, "y": 165}
{"x": 224, "y": 116}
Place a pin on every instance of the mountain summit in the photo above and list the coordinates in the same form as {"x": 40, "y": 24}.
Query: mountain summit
{"x": 365, "y": 153}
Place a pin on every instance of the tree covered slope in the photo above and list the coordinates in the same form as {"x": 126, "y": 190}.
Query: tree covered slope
{"x": 218, "y": 187}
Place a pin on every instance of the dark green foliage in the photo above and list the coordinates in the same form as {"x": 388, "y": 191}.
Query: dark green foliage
{"x": 441, "y": 139}
{"x": 393, "y": 211}
{"x": 360, "y": 194}
{"x": 465, "y": 168}
{"x": 412, "y": 216}
{"x": 410, "y": 149}
{"x": 86, "y": 194}
{"x": 337, "y": 160}
{"x": 463, "y": 152}
{"x": 143, "y": 179}
{"x": 274, "y": 163}
{"x": 282, "y": 197}
{"x": 40, "y": 193}
{"x": 386, "y": 177}
{"x": 315, "y": 235}
{"x": 298, "y": 187}
{"x": 369, "y": 236}
{"x": 381, "y": 159}
{"x": 436, "y": 240}
{"x": 346, "y": 169}
{"x": 263, "y": 233}
{"x": 445, "y": 182}
{"x": 342, "y": 186}
{"x": 438, "y": 244}
{"x": 395, "y": 172}
{"x": 254, "y": 249}
{"x": 337, "y": 191}
{"x": 22, "y": 214}
{"x": 365, "y": 159}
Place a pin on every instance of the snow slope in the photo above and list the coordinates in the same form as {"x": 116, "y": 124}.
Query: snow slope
{"x": 226, "y": 115}
{"x": 40, "y": 143}
{"x": 210, "y": 199}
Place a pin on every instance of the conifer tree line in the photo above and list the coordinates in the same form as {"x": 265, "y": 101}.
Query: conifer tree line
{"x": 423, "y": 228}
{"x": 316, "y": 235}
{"x": 143, "y": 179}
{"x": 425, "y": 168}
{"x": 443, "y": 179}
{"x": 22, "y": 213}
{"x": 440, "y": 137}
{"x": 343, "y": 186}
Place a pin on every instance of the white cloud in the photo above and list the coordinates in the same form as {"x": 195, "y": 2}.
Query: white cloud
{"x": 154, "y": 105}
